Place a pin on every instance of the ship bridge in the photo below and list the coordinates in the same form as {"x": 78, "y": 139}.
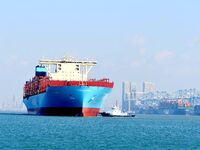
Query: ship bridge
{"x": 68, "y": 68}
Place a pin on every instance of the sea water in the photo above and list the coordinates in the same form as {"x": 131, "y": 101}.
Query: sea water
{"x": 99, "y": 133}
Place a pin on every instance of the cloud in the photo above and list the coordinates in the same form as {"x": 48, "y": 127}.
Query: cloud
{"x": 186, "y": 57}
{"x": 193, "y": 43}
{"x": 16, "y": 60}
{"x": 24, "y": 63}
{"x": 13, "y": 59}
{"x": 139, "y": 41}
{"x": 142, "y": 51}
{"x": 136, "y": 63}
{"x": 164, "y": 55}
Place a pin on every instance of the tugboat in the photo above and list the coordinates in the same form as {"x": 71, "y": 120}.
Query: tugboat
{"x": 116, "y": 112}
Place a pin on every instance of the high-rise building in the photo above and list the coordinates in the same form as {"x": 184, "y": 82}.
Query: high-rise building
{"x": 148, "y": 87}
{"x": 128, "y": 95}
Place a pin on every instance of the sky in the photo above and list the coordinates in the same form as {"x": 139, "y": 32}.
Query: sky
{"x": 132, "y": 40}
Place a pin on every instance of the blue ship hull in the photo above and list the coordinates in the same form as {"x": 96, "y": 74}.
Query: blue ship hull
{"x": 68, "y": 101}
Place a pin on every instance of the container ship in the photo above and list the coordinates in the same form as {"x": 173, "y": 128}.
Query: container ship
{"x": 62, "y": 87}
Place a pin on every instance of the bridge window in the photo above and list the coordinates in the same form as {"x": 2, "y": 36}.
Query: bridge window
{"x": 53, "y": 68}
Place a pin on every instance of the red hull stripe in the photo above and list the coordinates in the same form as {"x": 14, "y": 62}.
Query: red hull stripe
{"x": 80, "y": 83}
{"x": 90, "y": 112}
{"x": 39, "y": 84}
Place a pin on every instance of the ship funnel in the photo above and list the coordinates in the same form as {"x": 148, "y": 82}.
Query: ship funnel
{"x": 40, "y": 71}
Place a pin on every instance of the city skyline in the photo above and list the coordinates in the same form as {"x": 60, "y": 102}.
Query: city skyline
{"x": 149, "y": 100}
{"x": 154, "y": 41}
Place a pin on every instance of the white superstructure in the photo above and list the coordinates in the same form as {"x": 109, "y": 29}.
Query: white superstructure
{"x": 68, "y": 69}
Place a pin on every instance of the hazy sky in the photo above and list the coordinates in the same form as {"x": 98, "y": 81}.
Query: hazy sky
{"x": 141, "y": 40}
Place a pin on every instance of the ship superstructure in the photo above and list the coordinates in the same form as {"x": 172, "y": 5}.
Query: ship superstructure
{"x": 62, "y": 87}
